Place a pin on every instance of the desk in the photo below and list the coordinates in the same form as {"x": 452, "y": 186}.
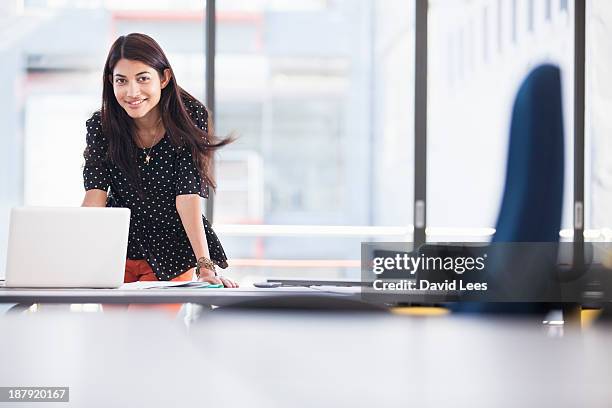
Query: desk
{"x": 217, "y": 297}
{"x": 263, "y": 359}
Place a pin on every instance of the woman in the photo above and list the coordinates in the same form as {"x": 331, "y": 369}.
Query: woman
{"x": 149, "y": 149}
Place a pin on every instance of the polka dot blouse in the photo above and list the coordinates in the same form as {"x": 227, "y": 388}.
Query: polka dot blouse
{"x": 156, "y": 231}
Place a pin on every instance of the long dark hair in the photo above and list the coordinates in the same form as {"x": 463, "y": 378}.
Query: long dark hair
{"x": 119, "y": 128}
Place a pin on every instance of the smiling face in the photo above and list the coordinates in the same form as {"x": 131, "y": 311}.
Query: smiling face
{"x": 138, "y": 87}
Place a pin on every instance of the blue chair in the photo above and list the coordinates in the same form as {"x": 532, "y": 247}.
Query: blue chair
{"x": 533, "y": 194}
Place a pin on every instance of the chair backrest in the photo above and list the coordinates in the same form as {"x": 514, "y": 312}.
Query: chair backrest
{"x": 533, "y": 192}
{"x": 532, "y": 200}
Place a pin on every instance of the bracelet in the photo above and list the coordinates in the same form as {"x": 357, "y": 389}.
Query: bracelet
{"x": 205, "y": 263}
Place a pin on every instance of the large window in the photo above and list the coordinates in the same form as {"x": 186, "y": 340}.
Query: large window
{"x": 62, "y": 78}
{"x": 321, "y": 96}
{"x": 53, "y": 56}
{"x": 598, "y": 166}
{"x": 479, "y": 52}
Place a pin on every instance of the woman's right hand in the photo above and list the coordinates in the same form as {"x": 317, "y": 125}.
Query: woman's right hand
{"x": 209, "y": 276}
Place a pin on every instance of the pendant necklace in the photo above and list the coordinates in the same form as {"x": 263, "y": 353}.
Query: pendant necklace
{"x": 148, "y": 153}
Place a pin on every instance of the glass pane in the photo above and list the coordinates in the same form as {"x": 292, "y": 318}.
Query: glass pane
{"x": 63, "y": 79}
{"x": 321, "y": 96}
{"x": 53, "y": 84}
{"x": 598, "y": 166}
{"x": 479, "y": 53}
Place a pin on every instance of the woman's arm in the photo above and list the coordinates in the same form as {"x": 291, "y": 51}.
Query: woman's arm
{"x": 189, "y": 210}
{"x": 94, "y": 198}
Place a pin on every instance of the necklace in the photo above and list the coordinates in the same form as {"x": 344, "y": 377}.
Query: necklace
{"x": 148, "y": 153}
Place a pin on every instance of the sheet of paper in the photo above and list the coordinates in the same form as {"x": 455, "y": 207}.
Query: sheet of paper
{"x": 352, "y": 290}
{"x": 162, "y": 285}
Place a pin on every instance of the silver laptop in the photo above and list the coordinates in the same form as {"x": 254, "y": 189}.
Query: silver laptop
{"x": 67, "y": 247}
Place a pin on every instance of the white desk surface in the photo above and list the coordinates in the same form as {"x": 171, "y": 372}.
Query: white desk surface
{"x": 258, "y": 359}
{"x": 220, "y": 297}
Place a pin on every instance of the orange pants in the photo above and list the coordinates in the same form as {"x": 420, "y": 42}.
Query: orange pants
{"x": 140, "y": 270}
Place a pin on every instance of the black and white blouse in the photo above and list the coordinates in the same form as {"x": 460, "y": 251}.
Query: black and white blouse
{"x": 156, "y": 231}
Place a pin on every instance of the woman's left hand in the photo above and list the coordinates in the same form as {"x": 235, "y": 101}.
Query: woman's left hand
{"x": 209, "y": 276}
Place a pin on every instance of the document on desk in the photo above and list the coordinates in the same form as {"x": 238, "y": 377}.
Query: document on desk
{"x": 163, "y": 285}
{"x": 349, "y": 290}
